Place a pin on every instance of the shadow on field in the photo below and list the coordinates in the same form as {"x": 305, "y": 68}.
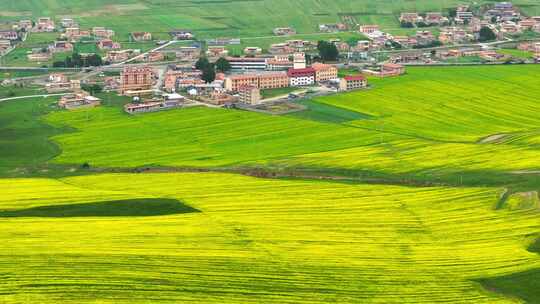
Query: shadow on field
{"x": 524, "y": 285}
{"x": 130, "y": 207}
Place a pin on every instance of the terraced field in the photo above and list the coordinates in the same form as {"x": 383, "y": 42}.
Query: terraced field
{"x": 254, "y": 240}
{"x": 229, "y": 17}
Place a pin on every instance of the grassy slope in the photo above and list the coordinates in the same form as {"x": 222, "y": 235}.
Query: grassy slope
{"x": 260, "y": 241}
{"x": 229, "y": 18}
{"x": 394, "y": 128}
{"x": 24, "y": 136}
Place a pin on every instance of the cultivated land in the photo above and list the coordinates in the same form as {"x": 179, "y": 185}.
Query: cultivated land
{"x": 431, "y": 121}
{"x": 451, "y": 213}
{"x": 248, "y": 240}
{"x": 229, "y": 18}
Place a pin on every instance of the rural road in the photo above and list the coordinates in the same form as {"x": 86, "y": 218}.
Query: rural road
{"x": 31, "y": 96}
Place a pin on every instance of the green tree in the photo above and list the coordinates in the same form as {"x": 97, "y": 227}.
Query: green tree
{"x": 327, "y": 51}
{"x": 202, "y": 63}
{"x": 223, "y": 65}
{"x": 486, "y": 34}
{"x": 209, "y": 73}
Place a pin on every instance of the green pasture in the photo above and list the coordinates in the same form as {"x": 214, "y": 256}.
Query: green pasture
{"x": 229, "y": 18}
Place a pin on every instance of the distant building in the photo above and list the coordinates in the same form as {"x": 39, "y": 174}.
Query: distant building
{"x": 284, "y": 31}
{"x": 9, "y": 35}
{"x": 78, "y": 100}
{"x": 301, "y": 77}
{"x": 61, "y": 46}
{"x": 68, "y": 22}
{"x": 368, "y": 29}
{"x": 217, "y": 51}
{"x": 252, "y": 51}
{"x": 188, "y": 53}
{"x": 180, "y": 34}
{"x": 44, "y": 24}
{"x": 410, "y": 17}
{"x": 352, "y": 82}
{"x": 101, "y": 32}
{"x": 108, "y": 44}
{"x": 141, "y": 36}
{"x": 135, "y": 79}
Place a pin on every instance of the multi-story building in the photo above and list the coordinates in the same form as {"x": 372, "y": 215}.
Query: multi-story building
{"x": 247, "y": 63}
{"x": 352, "y": 82}
{"x": 135, "y": 79}
{"x": 301, "y": 77}
{"x": 368, "y": 29}
{"x": 299, "y": 61}
{"x": 249, "y": 94}
{"x": 324, "y": 72}
{"x": 265, "y": 80}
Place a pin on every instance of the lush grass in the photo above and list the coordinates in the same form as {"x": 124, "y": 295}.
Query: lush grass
{"x": 269, "y": 93}
{"x": 8, "y": 74}
{"x": 24, "y": 143}
{"x": 260, "y": 241}
{"x": 517, "y": 53}
{"x": 197, "y": 137}
{"x": 326, "y": 113}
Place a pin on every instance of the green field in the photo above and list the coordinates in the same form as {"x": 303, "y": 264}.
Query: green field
{"x": 431, "y": 195}
{"x": 229, "y": 18}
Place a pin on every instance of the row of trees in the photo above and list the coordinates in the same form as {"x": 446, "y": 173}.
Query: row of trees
{"x": 77, "y": 61}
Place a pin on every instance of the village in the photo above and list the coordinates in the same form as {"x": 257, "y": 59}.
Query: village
{"x": 185, "y": 71}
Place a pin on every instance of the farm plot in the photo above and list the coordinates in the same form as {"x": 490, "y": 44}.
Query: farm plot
{"x": 255, "y": 240}
{"x": 196, "y": 137}
{"x": 455, "y": 104}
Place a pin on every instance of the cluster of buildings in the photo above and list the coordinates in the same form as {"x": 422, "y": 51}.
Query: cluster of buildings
{"x": 59, "y": 82}
{"x": 427, "y": 19}
{"x": 332, "y": 27}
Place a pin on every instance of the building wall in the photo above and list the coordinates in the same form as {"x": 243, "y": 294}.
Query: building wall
{"x": 302, "y": 81}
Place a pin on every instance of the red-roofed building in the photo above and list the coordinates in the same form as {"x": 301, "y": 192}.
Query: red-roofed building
{"x": 352, "y": 82}
{"x": 301, "y": 77}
